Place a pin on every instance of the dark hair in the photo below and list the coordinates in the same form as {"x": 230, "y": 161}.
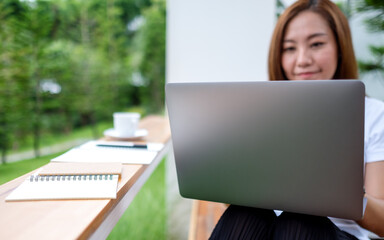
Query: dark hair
{"x": 347, "y": 65}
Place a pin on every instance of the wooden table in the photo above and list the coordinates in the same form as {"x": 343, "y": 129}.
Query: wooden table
{"x": 79, "y": 219}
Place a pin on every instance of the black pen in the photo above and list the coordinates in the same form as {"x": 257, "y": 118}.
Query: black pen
{"x": 124, "y": 146}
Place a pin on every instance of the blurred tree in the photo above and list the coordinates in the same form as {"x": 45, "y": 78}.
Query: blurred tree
{"x": 113, "y": 46}
{"x": 83, "y": 49}
{"x": 280, "y": 7}
{"x": 37, "y": 22}
{"x": 58, "y": 70}
{"x": 375, "y": 65}
{"x": 345, "y": 7}
{"x": 97, "y": 30}
{"x": 14, "y": 84}
{"x": 375, "y": 23}
{"x": 149, "y": 55}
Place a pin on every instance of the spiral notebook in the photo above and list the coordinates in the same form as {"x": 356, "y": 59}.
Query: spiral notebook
{"x": 58, "y": 181}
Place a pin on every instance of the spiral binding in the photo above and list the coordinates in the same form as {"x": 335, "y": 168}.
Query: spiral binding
{"x": 47, "y": 178}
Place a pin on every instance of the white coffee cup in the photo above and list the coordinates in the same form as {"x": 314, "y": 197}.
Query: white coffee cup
{"x": 125, "y": 123}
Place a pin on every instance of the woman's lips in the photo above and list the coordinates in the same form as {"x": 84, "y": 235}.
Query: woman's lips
{"x": 306, "y": 74}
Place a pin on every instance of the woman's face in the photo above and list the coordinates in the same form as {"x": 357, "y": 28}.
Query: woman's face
{"x": 309, "y": 48}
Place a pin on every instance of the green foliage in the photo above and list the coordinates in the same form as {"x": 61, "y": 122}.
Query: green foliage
{"x": 345, "y": 7}
{"x": 11, "y": 171}
{"x": 375, "y": 7}
{"x": 149, "y": 55}
{"x": 280, "y": 7}
{"x": 84, "y": 49}
{"x": 377, "y": 64}
{"x": 375, "y": 23}
{"x": 13, "y": 80}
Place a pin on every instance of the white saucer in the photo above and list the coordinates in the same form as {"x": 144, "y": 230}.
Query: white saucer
{"x": 138, "y": 134}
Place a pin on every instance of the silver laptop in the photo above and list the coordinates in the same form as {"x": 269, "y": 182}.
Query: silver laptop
{"x": 295, "y": 146}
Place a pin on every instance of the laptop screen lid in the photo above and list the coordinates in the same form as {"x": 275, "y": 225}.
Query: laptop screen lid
{"x": 295, "y": 146}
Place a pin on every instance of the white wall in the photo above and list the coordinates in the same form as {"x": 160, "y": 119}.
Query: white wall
{"x": 218, "y": 40}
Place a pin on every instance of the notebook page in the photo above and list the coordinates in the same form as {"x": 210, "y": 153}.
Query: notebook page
{"x": 90, "y": 152}
{"x": 58, "y": 168}
{"x": 66, "y": 187}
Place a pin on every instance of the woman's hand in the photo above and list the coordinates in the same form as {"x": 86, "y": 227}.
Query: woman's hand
{"x": 373, "y": 219}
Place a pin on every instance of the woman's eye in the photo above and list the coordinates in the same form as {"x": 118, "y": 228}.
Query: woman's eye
{"x": 288, "y": 49}
{"x": 317, "y": 44}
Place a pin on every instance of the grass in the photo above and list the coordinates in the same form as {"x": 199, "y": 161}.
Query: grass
{"x": 145, "y": 218}
{"x": 52, "y": 139}
{"x": 86, "y": 132}
{"x": 13, "y": 170}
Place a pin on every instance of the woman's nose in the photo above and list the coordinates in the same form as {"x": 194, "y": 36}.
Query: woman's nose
{"x": 304, "y": 58}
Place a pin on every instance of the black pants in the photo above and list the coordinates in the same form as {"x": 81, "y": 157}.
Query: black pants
{"x": 252, "y": 223}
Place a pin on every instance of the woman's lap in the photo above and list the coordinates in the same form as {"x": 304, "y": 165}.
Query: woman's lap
{"x": 252, "y": 223}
